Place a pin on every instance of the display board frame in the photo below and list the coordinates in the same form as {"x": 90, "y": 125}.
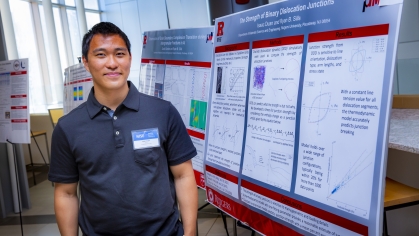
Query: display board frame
{"x": 309, "y": 152}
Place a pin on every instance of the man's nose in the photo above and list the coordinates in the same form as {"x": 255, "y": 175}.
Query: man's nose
{"x": 111, "y": 62}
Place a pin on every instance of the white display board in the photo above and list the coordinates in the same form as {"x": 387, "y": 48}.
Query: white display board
{"x": 14, "y": 101}
{"x": 299, "y": 114}
{"x": 176, "y": 66}
{"x": 77, "y": 85}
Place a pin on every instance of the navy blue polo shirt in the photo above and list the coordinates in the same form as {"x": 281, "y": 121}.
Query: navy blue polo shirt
{"x": 125, "y": 191}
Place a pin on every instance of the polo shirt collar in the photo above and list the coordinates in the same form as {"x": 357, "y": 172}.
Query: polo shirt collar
{"x": 132, "y": 101}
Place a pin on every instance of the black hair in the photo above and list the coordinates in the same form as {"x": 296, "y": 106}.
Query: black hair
{"x": 104, "y": 28}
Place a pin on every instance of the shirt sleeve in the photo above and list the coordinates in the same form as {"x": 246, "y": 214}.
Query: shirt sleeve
{"x": 179, "y": 144}
{"x": 63, "y": 167}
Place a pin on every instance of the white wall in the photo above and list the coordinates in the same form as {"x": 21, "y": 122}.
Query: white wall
{"x": 408, "y": 50}
{"x": 134, "y": 17}
{"x": 187, "y": 13}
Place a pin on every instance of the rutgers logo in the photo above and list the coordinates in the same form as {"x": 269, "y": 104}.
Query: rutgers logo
{"x": 145, "y": 39}
{"x": 220, "y": 28}
{"x": 371, "y": 3}
{"x": 210, "y": 196}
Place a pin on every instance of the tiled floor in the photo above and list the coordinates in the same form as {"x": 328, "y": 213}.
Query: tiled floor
{"x": 40, "y": 219}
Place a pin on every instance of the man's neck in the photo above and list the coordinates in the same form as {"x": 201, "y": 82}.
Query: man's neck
{"x": 111, "y": 98}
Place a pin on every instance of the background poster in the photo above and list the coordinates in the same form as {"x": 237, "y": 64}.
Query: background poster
{"x": 14, "y": 101}
{"x": 299, "y": 113}
{"x": 77, "y": 85}
{"x": 176, "y": 66}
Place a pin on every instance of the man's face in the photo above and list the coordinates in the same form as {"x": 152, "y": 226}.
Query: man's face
{"x": 108, "y": 61}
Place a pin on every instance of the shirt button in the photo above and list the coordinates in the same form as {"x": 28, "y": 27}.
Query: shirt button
{"x": 117, "y": 132}
{"x": 104, "y": 108}
{"x": 115, "y": 117}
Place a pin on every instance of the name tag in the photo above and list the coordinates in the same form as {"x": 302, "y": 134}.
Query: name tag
{"x": 145, "y": 138}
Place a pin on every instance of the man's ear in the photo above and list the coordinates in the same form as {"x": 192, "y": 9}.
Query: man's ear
{"x": 85, "y": 63}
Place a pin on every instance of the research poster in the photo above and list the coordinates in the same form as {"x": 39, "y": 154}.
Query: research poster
{"x": 77, "y": 85}
{"x": 299, "y": 114}
{"x": 176, "y": 66}
{"x": 14, "y": 101}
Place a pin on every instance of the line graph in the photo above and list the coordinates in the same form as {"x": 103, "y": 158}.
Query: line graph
{"x": 226, "y": 134}
{"x": 236, "y": 80}
{"x": 321, "y": 104}
{"x": 271, "y": 167}
{"x": 199, "y": 81}
{"x": 347, "y": 175}
{"x": 175, "y": 81}
{"x": 358, "y": 59}
{"x": 182, "y": 105}
{"x": 362, "y": 163}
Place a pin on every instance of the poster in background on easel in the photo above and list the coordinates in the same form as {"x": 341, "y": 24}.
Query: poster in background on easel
{"x": 176, "y": 66}
{"x": 14, "y": 101}
{"x": 77, "y": 85}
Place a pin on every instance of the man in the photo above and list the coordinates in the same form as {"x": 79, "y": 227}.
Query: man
{"x": 129, "y": 152}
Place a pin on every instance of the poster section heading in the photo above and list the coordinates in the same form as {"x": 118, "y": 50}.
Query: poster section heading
{"x": 293, "y": 84}
{"x": 277, "y": 20}
{"x": 177, "y": 42}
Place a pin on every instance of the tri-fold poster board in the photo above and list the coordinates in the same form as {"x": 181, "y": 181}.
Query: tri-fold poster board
{"x": 299, "y": 113}
{"x": 288, "y": 105}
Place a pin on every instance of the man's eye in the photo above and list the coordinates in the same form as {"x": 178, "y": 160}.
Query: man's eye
{"x": 120, "y": 54}
{"x": 100, "y": 54}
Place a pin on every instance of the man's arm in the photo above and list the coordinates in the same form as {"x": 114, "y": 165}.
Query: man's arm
{"x": 66, "y": 205}
{"x": 187, "y": 195}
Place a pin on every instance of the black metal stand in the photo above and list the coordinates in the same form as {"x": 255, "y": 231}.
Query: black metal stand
{"x": 17, "y": 184}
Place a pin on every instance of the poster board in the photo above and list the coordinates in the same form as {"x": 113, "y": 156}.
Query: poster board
{"x": 176, "y": 66}
{"x": 77, "y": 85}
{"x": 14, "y": 101}
{"x": 299, "y": 115}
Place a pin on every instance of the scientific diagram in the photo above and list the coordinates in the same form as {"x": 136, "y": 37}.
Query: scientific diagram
{"x": 358, "y": 60}
{"x": 227, "y": 135}
{"x": 175, "y": 80}
{"x": 320, "y": 105}
{"x": 220, "y": 87}
{"x": 237, "y": 83}
{"x": 151, "y": 76}
{"x": 200, "y": 83}
{"x": 348, "y": 175}
{"x": 283, "y": 80}
{"x": 198, "y": 114}
{"x": 182, "y": 105}
{"x": 259, "y": 77}
{"x": 271, "y": 167}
